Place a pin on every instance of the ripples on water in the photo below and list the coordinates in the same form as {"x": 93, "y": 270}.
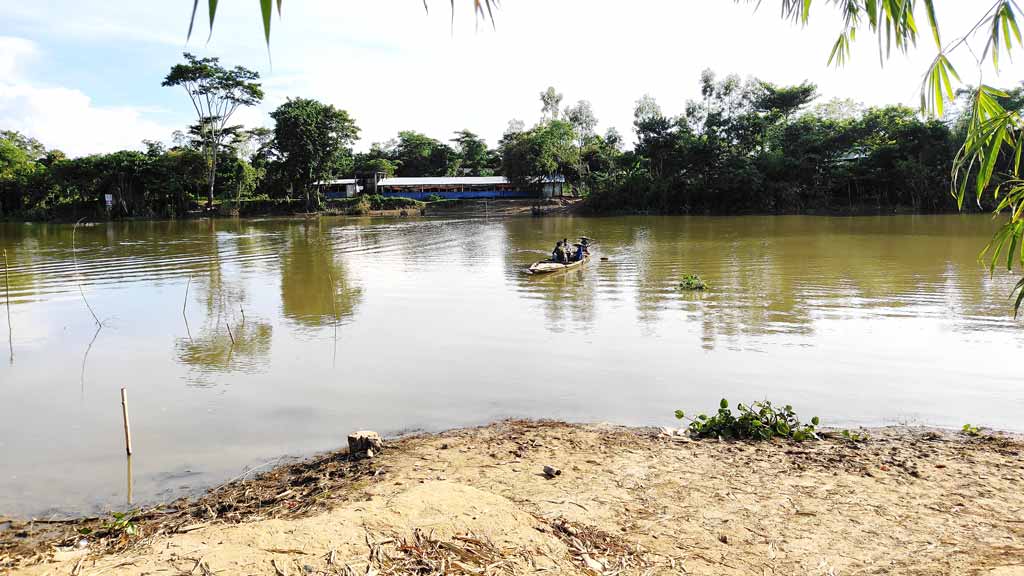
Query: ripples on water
{"x": 427, "y": 324}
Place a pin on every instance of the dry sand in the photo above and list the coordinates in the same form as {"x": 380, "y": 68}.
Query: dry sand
{"x": 628, "y": 501}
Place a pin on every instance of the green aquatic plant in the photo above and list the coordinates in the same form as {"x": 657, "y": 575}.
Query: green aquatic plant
{"x": 692, "y": 282}
{"x": 854, "y": 437}
{"x": 758, "y": 421}
{"x": 120, "y": 524}
{"x": 970, "y": 430}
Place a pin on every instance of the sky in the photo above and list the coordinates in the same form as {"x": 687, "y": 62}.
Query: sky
{"x": 84, "y": 77}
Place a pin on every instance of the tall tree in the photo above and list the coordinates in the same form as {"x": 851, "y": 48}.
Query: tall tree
{"x": 785, "y": 100}
{"x": 473, "y": 154}
{"x": 551, "y": 102}
{"x": 311, "y": 137}
{"x": 216, "y": 93}
{"x": 583, "y": 121}
{"x": 543, "y": 151}
{"x": 416, "y": 154}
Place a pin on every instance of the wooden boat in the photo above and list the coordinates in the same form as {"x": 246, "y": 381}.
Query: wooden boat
{"x": 548, "y": 266}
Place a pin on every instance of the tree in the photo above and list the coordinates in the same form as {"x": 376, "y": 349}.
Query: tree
{"x": 583, "y": 121}
{"x": 216, "y": 93}
{"x": 785, "y": 100}
{"x": 473, "y": 154}
{"x": 378, "y": 160}
{"x": 311, "y": 138}
{"x": 551, "y": 101}
{"x": 416, "y": 154}
{"x": 546, "y": 150}
{"x": 993, "y": 131}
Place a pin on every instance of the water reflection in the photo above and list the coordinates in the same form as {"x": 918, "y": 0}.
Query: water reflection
{"x": 315, "y": 289}
{"x": 219, "y": 347}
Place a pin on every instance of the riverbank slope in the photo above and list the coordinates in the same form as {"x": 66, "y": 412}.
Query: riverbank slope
{"x": 630, "y": 501}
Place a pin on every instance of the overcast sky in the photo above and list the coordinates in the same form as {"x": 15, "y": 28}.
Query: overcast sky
{"x": 85, "y": 76}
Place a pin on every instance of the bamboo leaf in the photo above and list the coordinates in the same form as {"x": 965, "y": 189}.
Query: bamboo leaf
{"x": 213, "y": 14}
{"x": 192, "y": 21}
{"x": 1019, "y": 289}
{"x": 265, "y": 8}
{"x": 930, "y": 8}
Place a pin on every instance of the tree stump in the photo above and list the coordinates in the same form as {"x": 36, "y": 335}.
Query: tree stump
{"x": 364, "y": 444}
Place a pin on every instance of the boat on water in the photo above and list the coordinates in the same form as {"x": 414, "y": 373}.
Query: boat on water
{"x": 550, "y": 266}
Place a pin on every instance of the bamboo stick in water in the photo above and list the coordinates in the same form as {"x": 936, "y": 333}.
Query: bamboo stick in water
{"x": 7, "y": 289}
{"x": 127, "y": 428}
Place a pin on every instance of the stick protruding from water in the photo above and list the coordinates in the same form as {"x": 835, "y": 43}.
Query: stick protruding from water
{"x": 127, "y": 428}
{"x": 7, "y": 290}
{"x": 78, "y": 276}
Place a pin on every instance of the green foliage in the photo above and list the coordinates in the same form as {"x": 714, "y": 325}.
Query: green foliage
{"x": 545, "y": 150}
{"x": 692, "y": 282}
{"x": 378, "y": 202}
{"x": 854, "y": 437}
{"x": 122, "y": 524}
{"x": 750, "y": 147}
{"x": 759, "y": 421}
{"x": 474, "y": 157}
{"x": 216, "y": 93}
{"x": 313, "y": 140}
{"x": 434, "y": 198}
{"x": 970, "y": 430}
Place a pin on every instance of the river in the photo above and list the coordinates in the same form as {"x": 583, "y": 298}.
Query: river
{"x": 296, "y": 332}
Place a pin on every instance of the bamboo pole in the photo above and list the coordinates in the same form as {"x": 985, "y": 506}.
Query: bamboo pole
{"x": 131, "y": 481}
{"x": 7, "y": 289}
{"x": 127, "y": 428}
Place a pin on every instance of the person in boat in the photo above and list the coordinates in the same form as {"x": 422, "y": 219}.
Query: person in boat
{"x": 581, "y": 252}
{"x": 558, "y": 254}
{"x": 566, "y": 252}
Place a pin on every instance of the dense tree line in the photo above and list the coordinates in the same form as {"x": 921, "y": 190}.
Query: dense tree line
{"x": 745, "y": 146}
{"x": 756, "y": 147}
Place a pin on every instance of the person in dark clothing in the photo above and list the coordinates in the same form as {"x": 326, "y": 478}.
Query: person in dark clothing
{"x": 558, "y": 254}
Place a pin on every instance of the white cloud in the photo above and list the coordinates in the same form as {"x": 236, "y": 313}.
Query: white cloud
{"x": 65, "y": 118}
{"x": 13, "y": 53}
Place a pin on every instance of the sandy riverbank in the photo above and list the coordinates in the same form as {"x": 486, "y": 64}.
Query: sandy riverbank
{"x": 630, "y": 501}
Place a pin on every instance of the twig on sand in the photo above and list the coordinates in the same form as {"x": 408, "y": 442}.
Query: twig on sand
{"x": 78, "y": 276}
{"x": 7, "y": 289}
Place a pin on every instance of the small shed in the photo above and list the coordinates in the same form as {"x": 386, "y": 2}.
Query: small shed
{"x": 340, "y": 188}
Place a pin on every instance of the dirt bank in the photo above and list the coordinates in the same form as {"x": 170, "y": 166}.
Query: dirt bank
{"x": 629, "y": 501}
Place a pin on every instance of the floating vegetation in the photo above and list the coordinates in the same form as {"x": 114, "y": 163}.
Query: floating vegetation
{"x": 692, "y": 282}
{"x": 970, "y": 430}
{"x": 759, "y": 421}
